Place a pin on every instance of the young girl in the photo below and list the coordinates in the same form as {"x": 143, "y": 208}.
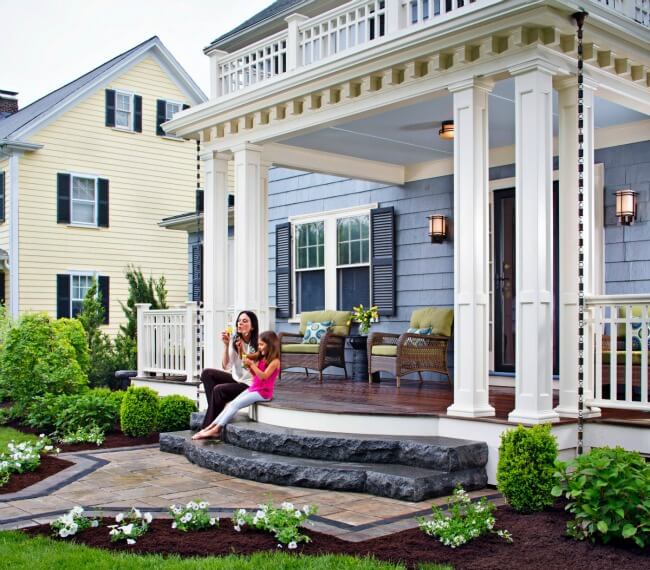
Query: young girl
{"x": 265, "y": 373}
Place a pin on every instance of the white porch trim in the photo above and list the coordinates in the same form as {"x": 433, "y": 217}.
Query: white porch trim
{"x": 14, "y": 234}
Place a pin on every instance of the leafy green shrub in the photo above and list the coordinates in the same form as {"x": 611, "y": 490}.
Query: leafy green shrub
{"x": 139, "y": 411}
{"x": 608, "y": 491}
{"x": 42, "y": 356}
{"x": 174, "y": 413}
{"x": 43, "y": 412}
{"x": 526, "y": 465}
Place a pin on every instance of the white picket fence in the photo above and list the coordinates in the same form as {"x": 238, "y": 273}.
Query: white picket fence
{"x": 617, "y": 342}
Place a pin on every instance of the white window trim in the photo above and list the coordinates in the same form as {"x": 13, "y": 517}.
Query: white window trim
{"x": 131, "y": 96}
{"x": 81, "y": 273}
{"x": 95, "y": 224}
{"x": 330, "y": 255}
{"x": 173, "y": 102}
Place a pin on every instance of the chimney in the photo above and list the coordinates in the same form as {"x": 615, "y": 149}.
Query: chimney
{"x": 8, "y": 103}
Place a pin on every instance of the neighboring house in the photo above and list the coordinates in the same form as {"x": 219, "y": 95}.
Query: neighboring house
{"x": 86, "y": 173}
{"x": 331, "y": 113}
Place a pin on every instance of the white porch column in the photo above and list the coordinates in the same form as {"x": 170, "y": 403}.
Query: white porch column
{"x": 534, "y": 245}
{"x": 251, "y": 229}
{"x": 568, "y": 236}
{"x": 215, "y": 256}
{"x": 471, "y": 291}
{"x": 216, "y": 89}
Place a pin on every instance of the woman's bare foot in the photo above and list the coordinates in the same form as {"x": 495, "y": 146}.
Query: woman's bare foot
{"x": 208, "y": 432}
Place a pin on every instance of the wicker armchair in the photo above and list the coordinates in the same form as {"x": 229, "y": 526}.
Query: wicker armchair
{"x": 401, "y": 354}
{"x": 330, "y": 351}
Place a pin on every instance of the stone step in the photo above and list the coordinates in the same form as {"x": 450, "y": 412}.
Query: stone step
{"x": 438, "y": 453}
{"x": 394, "y": 481}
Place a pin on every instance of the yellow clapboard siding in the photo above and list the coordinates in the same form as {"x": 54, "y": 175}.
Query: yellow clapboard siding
{"x": 150, "y": 178}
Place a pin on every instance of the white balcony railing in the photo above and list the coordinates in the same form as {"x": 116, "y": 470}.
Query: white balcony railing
{"x": 617, "y": 351}
{"x": 310, "y": 41}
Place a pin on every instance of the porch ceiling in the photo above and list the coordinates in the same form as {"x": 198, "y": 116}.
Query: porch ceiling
{"x": 409, "y": 135}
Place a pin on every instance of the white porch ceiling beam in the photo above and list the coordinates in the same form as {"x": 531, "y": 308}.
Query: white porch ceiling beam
{"x": 331, "y": 163}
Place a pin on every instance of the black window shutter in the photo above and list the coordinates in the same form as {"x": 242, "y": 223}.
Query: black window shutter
{"x": 3, "y": 295}
{"x": 197, "y": 272}
{"x": 137, "y": 113}
{"x": 199, "y": 200}
{"x": 103, "y": 286}
{"x": 110, "y": 107}
{"x": 62, "y": 198}
{"x": 382, "y": 265}
{"x": 283, "y": 270}
{"x": 161, "y": 115}
{"x": 102, "y": 202}
{"x": 185, "y": 106}
{"x": 62, "y": 296}
{"x": 2, "y": 197}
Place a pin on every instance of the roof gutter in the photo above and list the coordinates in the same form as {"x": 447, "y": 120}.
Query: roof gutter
{"x": 8, "y": 145}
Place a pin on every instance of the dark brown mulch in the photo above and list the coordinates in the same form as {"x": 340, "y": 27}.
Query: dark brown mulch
{"x": 50, "y": 465}
{"x": 539, "y": 544}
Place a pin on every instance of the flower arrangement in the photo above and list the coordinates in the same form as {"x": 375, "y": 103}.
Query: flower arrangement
{"x": 23, "y": 457}
{"x": 466, "y": 520}
{"x": 72, "y": 522}
{"x": 130, "y": 526}
{"x": 193, "y": 516}
{"x": 365, "y": 317}
{"x": 283, "y": 522}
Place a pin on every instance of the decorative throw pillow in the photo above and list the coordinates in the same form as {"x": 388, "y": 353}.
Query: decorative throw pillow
{"x": 419, "y": 342}
{"x": 315, "y": 331}
{"x": 637, "y": 331}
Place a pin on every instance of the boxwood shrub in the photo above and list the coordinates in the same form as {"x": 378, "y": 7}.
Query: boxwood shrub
{"x": 139, "y": 411}
{"x": 526, "y": 466}
{"x": 608, "y": 491}
{"x": 174, "y": 413}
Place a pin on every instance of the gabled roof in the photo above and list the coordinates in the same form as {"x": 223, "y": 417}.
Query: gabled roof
{"x": 26, "y": 120}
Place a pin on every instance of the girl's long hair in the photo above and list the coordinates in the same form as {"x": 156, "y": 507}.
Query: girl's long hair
{"x": 255, "y": 327}
{"x": 272, "y": 346}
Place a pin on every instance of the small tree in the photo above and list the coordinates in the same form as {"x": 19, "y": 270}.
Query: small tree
{"x": 100, "y": 347}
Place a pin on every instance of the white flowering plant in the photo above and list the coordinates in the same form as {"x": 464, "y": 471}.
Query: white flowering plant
{"x": 466, "y": 520}
{"x": 284, "y": 522}
{"x": 193, "y": 516}
{"x": 23, "y": 457}
{"x": 130, "y": 526}
{"x": 72, "y": 522}
{"x": 93, "y": 434}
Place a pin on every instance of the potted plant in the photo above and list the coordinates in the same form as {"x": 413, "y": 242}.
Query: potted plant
{"x": 365, "y": 318}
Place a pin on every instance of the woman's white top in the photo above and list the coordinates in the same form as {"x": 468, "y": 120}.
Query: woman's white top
{"x": 237, "y": 370}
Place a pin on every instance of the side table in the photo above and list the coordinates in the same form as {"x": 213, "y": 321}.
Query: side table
{"x": 359, "y": 345}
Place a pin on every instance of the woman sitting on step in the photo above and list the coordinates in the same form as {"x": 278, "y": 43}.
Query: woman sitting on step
{"x": 265, "y": 366}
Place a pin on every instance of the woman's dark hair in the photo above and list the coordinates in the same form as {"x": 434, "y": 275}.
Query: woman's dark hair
{"x": 255, "y": 327}
{"x": 272, "y": 345}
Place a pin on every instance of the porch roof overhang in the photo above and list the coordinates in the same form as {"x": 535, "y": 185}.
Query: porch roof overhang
{"x": 418, "y": 66}
{"x": 188, "y": 222}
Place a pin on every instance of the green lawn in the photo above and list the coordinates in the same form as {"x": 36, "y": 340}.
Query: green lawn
{"x": 19, "y": 551}
{"x": 8, "y": 434}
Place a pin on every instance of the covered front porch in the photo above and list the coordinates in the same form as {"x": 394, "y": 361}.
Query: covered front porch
{"x": 372, "y": 112}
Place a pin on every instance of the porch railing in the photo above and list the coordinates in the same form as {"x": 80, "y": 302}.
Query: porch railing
{"x": 617, "y": 339}
{"x": 310, "y": 41}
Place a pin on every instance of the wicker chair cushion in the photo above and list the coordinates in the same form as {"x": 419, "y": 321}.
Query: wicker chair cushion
{"x": 384, "y": 350}
{"x": 315, "y": 331}
{"x": 340, "y": 321}
{"x": 300, "y": 348}
{"x": 438, "y": 320}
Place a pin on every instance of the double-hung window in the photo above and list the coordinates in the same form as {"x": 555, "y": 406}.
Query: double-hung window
{"x": 79, "y": 285}
{"x": 83, "y": 200}
{"x": 332, "y": 260}
{"x": 123, "y": 110}
{"x": 171, "y": 108}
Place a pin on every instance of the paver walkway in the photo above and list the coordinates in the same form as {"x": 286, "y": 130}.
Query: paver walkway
{"x": 112, "y": 480}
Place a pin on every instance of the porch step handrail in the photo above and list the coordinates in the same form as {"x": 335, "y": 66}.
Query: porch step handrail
{"x": 618, "y": 328}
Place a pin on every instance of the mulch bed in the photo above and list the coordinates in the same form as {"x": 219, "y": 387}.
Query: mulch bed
{"x": 539, "y": 544}
{"x": 49, "y": 466}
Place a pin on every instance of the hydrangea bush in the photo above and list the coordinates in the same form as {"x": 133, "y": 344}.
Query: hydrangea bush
{"x": 130, "y": 526}
{"x": 284, "y": 522}
{"x": 72, "y": 522}
{"x": 193, "y": 516}
{"x": 466, "y": 520}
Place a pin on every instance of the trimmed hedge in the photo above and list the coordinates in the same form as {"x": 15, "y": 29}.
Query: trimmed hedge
{"x": 139, "y": 411}
{"x": 174, "y": 413}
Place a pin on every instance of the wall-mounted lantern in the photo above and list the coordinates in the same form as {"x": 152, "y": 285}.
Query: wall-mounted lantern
{"x": 626, "y": 202}
{"x": 438, "y": 228}
{"x": 447, "y": 130}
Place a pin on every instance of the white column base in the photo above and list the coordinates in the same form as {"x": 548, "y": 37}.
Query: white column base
{"x": 473, "y": 412}
{"x": 532, "y": 418}
{"x": 572, "y": 412}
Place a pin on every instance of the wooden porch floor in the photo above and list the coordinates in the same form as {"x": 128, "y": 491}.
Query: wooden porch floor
{"x": 430, "y": 398}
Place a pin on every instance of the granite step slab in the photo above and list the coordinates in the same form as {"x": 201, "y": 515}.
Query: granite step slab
{"x": 439, "y": 453}
{"x": 402, "y": 482}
